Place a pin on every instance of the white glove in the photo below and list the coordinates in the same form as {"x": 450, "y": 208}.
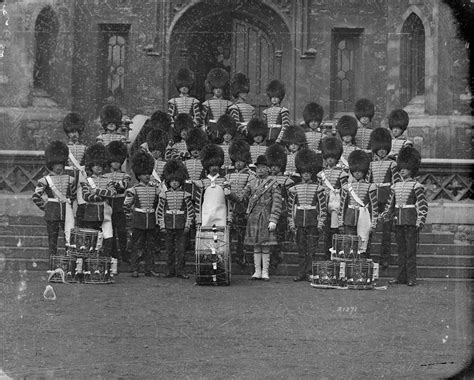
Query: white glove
{"x": 272, "y": 226}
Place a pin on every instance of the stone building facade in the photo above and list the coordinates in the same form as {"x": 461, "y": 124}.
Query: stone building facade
{"x": 60, "y": 55}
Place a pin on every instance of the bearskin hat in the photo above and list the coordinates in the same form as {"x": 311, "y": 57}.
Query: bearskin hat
{"x": 96, "y": 154}
{"x": 110, "y": 114}
{"x": 276, "y": 156}
{"x": 184, "y": 78}
{"x": 239, "y": 84}
{"x": 142, "y": 164}
{"x": 160, "y": 119}
{"x": 261, "y": 160}
{"x": 212, "y": 155}
{"x": 359, "y": 161}
{"x": 174, "y": 170}
{"x": 196, "y": 139}
{"x": 216, "y": 78}
{"x": 117, "y": 151}
{"x": 331, "y": 147}
{"x": 183, "y": 121}
{"x": 257, "y": 127}
{"x": 294, "y": 134}
{"x": 409, "y": 158}
{"x": 56, "y": 152}
{"x": 364, "y": 108}
{"x": 380, "y": 138}
{"x": 239, "y": 150}
{"x": 313, "y": 112}
{"x": 308, "y": 161}
{"x": 347, "y": 126}
{"x": 73, "y": 122}
{"x": 276, "y": 89}
{"x": 157, "y": 139}
{"x": 398, "y": 119}
{"x": 226, "y": 124}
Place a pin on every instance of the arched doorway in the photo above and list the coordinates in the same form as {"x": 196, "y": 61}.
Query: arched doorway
{"x": 253, "y": 39}
{"x": 46, "y": 34}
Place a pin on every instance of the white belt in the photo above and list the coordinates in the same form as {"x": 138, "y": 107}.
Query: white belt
{"x": 274, "y": 126}
{"x": 383, "y": 184}
{"x": 145, "y": 210}
{"x": 119, "y": 195}
{"x": 175, "y": 212}
{"x": 405, "y": 206}
{"x": 306, "y": 207}
{"x": 58, "y": 201}
{"x": 354, "y": 207}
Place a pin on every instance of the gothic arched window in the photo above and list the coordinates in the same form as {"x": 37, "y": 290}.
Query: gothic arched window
{"x": 46, "y": 34}
{"x": 412, "y": 59}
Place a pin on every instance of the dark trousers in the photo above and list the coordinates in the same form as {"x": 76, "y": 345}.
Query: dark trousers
{"x": 328, "y": 234}
{"x": 143, "y": 243}
{"x": 175, "y": 243}
{"x": 307, "y": 241}
{"x": 406, "y": 247}
{"x": 352, "y": 230}
{"x": 52, "y": 227}
{"x": 96, "y": 225}
{"x": 386, "y": 243}
{"x": 119, "y": 225}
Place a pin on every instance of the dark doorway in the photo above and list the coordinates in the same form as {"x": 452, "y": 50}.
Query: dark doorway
{"x": 46, "y": 34}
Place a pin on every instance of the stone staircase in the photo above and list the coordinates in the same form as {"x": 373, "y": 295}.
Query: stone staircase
{"x": 24, "y": 246}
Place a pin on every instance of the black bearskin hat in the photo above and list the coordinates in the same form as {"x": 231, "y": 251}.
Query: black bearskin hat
{"x": 380, "y": 138}
{"x": 261, "y": 160}
{"x": 157, "y": 139}
{"x": 257, "y": 127}
{"x": 294, "y": 134}
{"x": 359, "y": 161}
{"x": 364, "y": 108}
{"x": 276, "y": 156}
{"x": 216, "y": 78}
{"x": 110, "y": 114}
{"x": 398, "y": 119}
{"x": 239, "y": 150}
{"x": 184, "y": 78}
{"x": 117, "y": 151}
{"x": 226, "y": 124}
{"x": 161, "y": 120}
{"x": 409, "y": 158}
{"x": 73, "y": 122}
{"x": 56, "y": 152}
{"x": 331, "y": 147}
{"x": 174, "y": 170}
{"x": 239, "y": 84}
{"x": 142, "y": 164}
{"x": 212, "y": 155}
{"x": 308, "y": 161}
{"x": 196, "y": 139}
{"x": 313, "y": 112}
{"x": 96, "y": 154}
{"x": 183, "y": 121}
{"x": 276, "y": 89}
{"x": 347, "y": 126}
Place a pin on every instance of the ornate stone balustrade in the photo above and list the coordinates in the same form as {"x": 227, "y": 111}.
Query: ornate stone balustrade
{"x": 444, "y": 179}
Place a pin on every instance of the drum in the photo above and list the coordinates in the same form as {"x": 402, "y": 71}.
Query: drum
{"x": 85, "y": 241}
{"x": 344, "y": 247}
{"x": 361, "y": 274}
{"x": 327, "y": 274}
{"x": 97, "y": 270}
{"x": 213, "y": 266}
{"x": 62, "y": 269}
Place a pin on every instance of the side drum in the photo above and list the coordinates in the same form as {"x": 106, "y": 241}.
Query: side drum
{"x": 85, "y": 241}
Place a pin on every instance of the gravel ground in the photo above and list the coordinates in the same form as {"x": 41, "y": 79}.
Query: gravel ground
{"x": 169, "y": 328}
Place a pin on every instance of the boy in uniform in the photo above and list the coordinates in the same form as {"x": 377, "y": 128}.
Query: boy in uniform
{"x": 398, "y": 123}
{"x": 307, "y": 209}
{"x": 60, "y": 189}
{"x": 347, "y": 129}
{"x": 257, "y": 132}
{"x": 140, "y": 203}
{"x": 118, "y": 154}
{"x": 227, "y": 131}
{"x": 358, "y": 212}
{"x": 313, "y": 116}
{"x": 175, "y": 214}
{"x": 294, "y": 140}
{"x": 407, "y": 205}
{"x": 111, "y": 122}
{"x": 364, "y": 112}
{"x": 185, "y": 103}
{"x": 276, "y": 116}
{"x": 183, "y": 124}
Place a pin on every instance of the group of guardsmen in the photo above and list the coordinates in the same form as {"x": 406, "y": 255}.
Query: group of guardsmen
{"x": 274, "y": 179}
